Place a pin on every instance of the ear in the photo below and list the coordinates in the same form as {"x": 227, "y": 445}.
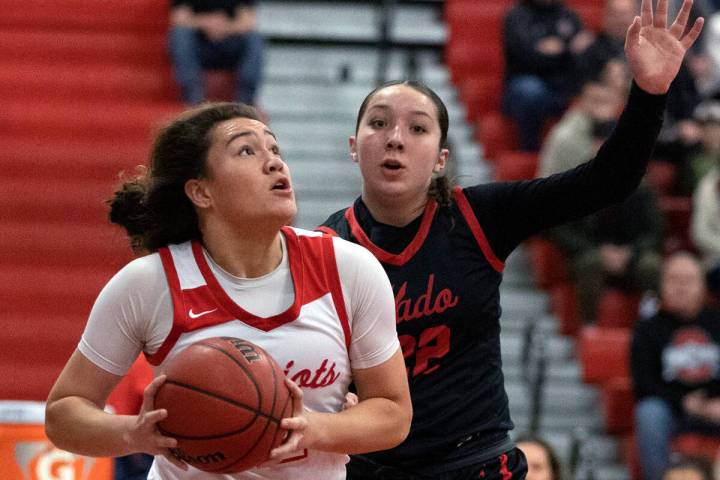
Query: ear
{"x": 441, "y": 161}
{"x": 352, "y": 143}
{"x": 197, "y": 192}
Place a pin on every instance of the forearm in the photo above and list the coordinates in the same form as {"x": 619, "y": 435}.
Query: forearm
{"x": 77, "y": 425}
{"x": 371, "y": 425}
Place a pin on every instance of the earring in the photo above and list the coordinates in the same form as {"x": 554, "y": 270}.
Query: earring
{"x": 354, "y": 156}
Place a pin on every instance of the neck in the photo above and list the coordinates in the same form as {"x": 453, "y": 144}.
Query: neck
{"x": 397, "y": 211}
{"x": 246, "y": 254}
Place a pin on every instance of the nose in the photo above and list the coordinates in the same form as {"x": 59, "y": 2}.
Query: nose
{"x": 395, "y": 140}
{"x": 274, "y": 163}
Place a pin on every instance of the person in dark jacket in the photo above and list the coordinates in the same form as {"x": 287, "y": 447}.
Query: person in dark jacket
{"x": 541, "y": 39}
{"x": 675, "y": 365}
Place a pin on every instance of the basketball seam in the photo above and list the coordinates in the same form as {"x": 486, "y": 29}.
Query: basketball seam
{"x": 267, "y": 424}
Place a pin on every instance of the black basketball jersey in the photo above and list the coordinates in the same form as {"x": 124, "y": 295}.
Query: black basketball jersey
{"x": 447, "y": 326}
{"x": 446, "y": 268}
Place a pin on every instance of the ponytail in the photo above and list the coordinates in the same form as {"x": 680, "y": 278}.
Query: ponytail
{"x": 441, "y": 190}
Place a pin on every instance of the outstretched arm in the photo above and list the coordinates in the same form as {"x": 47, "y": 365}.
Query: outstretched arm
{"x": 512, "y": 212}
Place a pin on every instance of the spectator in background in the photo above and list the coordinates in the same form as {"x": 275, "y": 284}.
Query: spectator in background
{"x": 618, "y": 247}
{"x": 705, "y": 225}
{"x": 215, "y": 34}
{"x": 675, "y": 365}
{"x": 541, "y": 39}
{"x": 543, "y": 462}
{"x": 688, "y": 469}
{"x": 610, "y": 41}
{"x": 706, "y": 64}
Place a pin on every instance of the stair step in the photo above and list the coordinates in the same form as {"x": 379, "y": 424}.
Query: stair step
{"x": 53, "y": 200}
{"x": 84, "y": 47}
{"x": 43, "y": 290}
{"x": 98, "y": 16}
{"x": 27, "y": 381}
{"x": 23, "y": 80}
{"x": 63, "y": 244}
{"x": 55, "y": 336}
{"x": 61, "y": 119}
{"x": 73, "y": 158}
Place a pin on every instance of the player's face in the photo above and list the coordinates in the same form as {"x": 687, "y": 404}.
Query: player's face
{"x": 538, "y": 461}
{"x": 248, "y": 182}
{"x": 398, "y": 143}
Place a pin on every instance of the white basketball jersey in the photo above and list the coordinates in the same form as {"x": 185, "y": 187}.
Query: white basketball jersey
{"x": 309, "y": 340}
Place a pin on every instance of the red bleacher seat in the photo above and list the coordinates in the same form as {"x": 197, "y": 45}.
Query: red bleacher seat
{"x": 661, "y": 176}
{"x": 515, "y": 165}
{"x": 465, "y": 59}
{"x": 563, "y": 303}
{"x": 547, "y": 263}
{"x": 480, "y": 94}
{"x": 496, "y": 133}
{"x": 603, "y": 353}
{"x": 617, "y": 309}
{"x": 617, "y": 399}
{"x": 219, "y": 85}
{"x": 695, "y": 445}
{"x": 677, "y": 211}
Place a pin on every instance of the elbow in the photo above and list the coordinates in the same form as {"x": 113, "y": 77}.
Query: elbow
{"x": 52, "y": 426}
{"x": 402, "y": 425}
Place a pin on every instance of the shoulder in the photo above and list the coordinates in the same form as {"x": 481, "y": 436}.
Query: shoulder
{"x": 142, "y": 275}
{"x": 337, "y": 218}
{"x": 345, "y": 249}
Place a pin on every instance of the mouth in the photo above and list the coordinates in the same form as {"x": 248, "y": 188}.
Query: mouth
{"x": 281, "y": 184}
{"x": 392, "y": 164}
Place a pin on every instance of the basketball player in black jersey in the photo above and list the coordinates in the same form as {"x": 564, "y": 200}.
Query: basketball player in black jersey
{"x": 444, "y": 251}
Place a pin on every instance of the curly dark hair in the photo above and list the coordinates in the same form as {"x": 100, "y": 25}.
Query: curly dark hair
{"x": 153, "y": 207}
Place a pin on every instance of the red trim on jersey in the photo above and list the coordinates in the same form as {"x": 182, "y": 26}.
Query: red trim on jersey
{"x": 263, "y": 323}
{"x": 178, "y": 308}
{"x": 327, "y": 230}
{"x": 333, "y": 278}
{"x": 476, "y": 229}
{"x": 506, "y": 474}
{"x": 385, "y": 256}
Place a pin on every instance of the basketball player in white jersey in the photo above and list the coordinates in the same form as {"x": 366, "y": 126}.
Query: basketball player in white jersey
{"x": 211, "y": 212}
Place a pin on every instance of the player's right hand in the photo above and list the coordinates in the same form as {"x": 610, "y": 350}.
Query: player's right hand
{"x": 144, "y": 435}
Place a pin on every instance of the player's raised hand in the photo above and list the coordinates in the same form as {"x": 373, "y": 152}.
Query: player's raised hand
{"x": 654, "y": 51}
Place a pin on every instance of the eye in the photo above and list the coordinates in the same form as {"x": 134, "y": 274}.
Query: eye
{"x": 418, "y": 129}
{"x": 246, "y": 150}
{"x": 275, "y": 150}
{"x": 377, "y": 123}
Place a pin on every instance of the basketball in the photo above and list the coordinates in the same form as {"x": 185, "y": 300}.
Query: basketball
{"x": 225, "y": 398}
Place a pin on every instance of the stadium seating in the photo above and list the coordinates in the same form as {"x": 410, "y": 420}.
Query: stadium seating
{"x": 83, "y": 86}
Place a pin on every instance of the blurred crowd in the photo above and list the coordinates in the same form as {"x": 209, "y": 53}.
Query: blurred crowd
{"x": 564, "y": 88}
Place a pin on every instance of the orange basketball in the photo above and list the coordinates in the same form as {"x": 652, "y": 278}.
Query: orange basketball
{"x": 225, "y": 398}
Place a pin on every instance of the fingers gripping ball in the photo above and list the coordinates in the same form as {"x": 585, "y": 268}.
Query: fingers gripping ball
{"x": 225, "y": 398}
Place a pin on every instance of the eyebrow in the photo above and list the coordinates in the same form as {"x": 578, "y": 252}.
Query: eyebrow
{"x": 414, "y": 112}
{"x": 248, "y": 133}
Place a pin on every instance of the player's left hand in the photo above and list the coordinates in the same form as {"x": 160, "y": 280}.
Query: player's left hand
{"x": 654, "y": 51}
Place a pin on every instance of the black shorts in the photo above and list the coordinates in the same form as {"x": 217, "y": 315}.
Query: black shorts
{"x": 508, "y": 466}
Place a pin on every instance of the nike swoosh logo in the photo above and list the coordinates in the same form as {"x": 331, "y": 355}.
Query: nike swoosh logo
{"x": 198, "y": 315}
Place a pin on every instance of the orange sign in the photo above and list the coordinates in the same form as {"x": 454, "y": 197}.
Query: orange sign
{"x": 26, "y": 454}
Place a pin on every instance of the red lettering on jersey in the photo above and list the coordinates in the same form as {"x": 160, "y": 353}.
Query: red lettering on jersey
{"x": 406, "y": 309}
{"x": 307, "y": 378}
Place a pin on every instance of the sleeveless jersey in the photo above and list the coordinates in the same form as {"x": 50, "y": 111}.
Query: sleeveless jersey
{"x": 448, "y": 328}
{"x": 317, "y": 318}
